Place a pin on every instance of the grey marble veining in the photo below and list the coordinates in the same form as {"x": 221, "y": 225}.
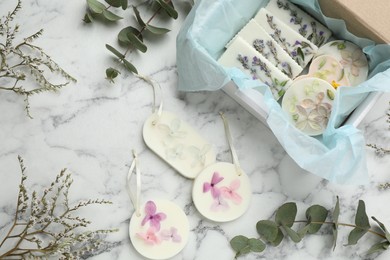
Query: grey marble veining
{"x": 90, "y": 128}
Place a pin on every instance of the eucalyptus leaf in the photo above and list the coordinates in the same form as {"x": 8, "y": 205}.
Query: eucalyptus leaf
{"x": 124, "y": 4}
{"x": 361, "y": 219}
{"x": 279, "y": 238}
{"x": 136, "y": 42}
{"x": 336, "y": 214}
{"x": 156, "y": 30}
{"x": 130, "y": 67}
{"x": 303, "y": 231}
{"x": 382, "y": 226}
{"x": 285, "y": 215}
{"x": 356, "y": 234}
{"x": 169, "y": 9}
{"x": 95, "y": 6}
{"x": 316, "y": 213}
{"x": 115, "y": 51}
{"x": 240, "y": 244}
{"x": 292, "y": 234}
{"x": 114, "y": 3}
{"x": 122, "y": 36}
{"x": 111, "y": 74}
{"x": 88, "y": 18}
{"x": 379, "y": 247}
{"x": 256, "y": 245}
{"x": 138, "y": 16}
{"x": 267, "y": 229}
{"x": 111, "y": 16}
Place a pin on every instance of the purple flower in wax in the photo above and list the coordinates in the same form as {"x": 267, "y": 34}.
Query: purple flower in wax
{"x": 211, "y": 186}
{"x": 153, "y": 217}
{"x": 294, "y": 53}
{"x": 171, "y": 234}
{"x": 292, "y": 20}
{"x": 321, "y": 33}
{"x": 304, "y": 26}
{"x": 297, "y": 43}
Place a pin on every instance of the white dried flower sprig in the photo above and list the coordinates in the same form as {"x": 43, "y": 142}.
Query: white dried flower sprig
{"x": 25, "y": 61}
{"x": 46, "y": 225}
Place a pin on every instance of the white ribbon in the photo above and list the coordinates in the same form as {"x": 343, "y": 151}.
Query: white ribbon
{"x": 135, "y": 199}
{"x": 155, "y": 85}
{"x": 231, "y": 147}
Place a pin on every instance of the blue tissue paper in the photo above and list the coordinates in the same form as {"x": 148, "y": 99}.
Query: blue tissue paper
{"x": 339, "y": 155}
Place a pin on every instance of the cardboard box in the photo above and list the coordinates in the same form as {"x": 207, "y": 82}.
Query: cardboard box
{"x": 364, "y": 18}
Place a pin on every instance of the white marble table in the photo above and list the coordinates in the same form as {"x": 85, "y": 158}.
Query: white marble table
{"x": 90, "y": 128}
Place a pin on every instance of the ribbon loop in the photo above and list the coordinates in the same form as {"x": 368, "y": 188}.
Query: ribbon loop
{"x": 135, "y": 199}
{"x": 230, "y": 142}
{"x": 154, "y": 85}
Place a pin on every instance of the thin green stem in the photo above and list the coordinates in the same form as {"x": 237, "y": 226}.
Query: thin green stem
{"x": 342, "y": 224}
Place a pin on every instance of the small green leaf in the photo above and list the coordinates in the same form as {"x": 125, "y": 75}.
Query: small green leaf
{"x": 303, "y": 231}
{"x": 111, "y": 74}
{"x": 95, "y": 6}
{"x": 322, "y": 63}
{"x": 156, "y": 30}
{"x": 88, "y": 18}
{"x": 136, "y": 42}
{"x": 300, "y": 53}
{"x": 111, "y": 16}
{"x": 285, "y": 215}
{"x": 379, "y": 247}
{"x": 169, "y": 9}
{"x": 115, "y": 51}
{"x": 256, "y": 245}
{"x": 292, "y": 234}
{"x": 334, "y": 43}
{"x": 382, "y": 226}
{"x": 316, "y": 213}
{"x": 267, "y": 229}
{"x": 295, "y": 117}
{"x": 355, "y": 235}
{"x": 283, "y": 83}
{"x": 122, "y": 36}
{"x": 341, "y": 46}
{"x": 124, "y": 4}
{"x": 341, "y": 75}
{"x": 361, "y": 219}
{"x": 138, "y": 16}
{"x": 114, "y": 3}
{"x": 336, "y": 213}
{"x": 362, "y": 223}
{"x": 281, "y": 92}
{"x": 240, "y": 245}
{"x": 279, "y": 238}
{"x": 330, "y": 94}
{"x": 130, "y": 67}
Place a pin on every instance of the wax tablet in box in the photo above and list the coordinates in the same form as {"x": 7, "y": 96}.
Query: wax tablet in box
{"x": 243, "y": 56}
{"x": 299, "y": 21}
{"x": 350, "y": 56}
{"x": 297, "y": 46}
{"x": 255, "y": 35}
{"x": 178, "y": 144}
{"x": 308, "y": 104}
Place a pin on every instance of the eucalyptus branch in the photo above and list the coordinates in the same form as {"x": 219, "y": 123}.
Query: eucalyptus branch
{"x": 130, "y": 37}
{"x": 44, "y": 227}
{"x": 25, "y": 61}
{"x": 273, "y": 232}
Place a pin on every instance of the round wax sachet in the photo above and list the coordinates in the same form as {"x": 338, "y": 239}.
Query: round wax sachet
{"x": 308, "y": 103}
{"x": 350, "y": 56}
{"x": 220, "y": 193}
{"x": 161, "y": 231}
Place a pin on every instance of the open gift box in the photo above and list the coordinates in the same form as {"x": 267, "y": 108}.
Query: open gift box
{"x": 339, "y": 154}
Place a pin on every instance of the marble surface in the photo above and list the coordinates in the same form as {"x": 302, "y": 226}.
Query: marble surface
{"x": 90, "y": 128}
